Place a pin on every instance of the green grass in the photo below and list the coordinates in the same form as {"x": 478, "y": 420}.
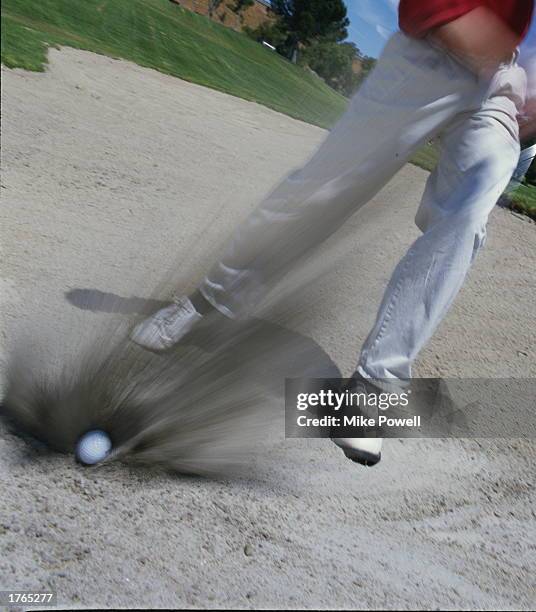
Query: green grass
{"x": 163, "y": 36}
{"x": 427, "y": 157}
{"x": 523, "y": 200}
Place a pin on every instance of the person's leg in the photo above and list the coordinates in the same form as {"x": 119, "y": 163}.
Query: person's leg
{"x": 414, "y": 91}
{"x": 478, "y": 157}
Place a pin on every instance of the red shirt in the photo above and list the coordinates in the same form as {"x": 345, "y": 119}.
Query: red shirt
{"x": 416, "y": 17}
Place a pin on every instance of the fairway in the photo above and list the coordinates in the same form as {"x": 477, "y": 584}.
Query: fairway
{"x": 168, "y": 38}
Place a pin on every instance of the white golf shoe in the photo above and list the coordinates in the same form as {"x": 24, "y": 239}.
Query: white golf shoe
{"x": 366, "y": 451}
{"x": 167, "y": 326}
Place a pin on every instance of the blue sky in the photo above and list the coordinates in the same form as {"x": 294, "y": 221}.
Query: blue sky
{"x": 373, "y": 21}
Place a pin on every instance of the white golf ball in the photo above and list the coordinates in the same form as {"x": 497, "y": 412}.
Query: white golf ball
{"x": 93, "y": 447}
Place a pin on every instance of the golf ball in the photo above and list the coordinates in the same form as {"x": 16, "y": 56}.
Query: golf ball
{"x": 93, "y": 447}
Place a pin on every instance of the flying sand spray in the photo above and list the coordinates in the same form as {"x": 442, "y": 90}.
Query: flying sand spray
{"x": 188, "y": 410}
{"x": 201, "y": 407}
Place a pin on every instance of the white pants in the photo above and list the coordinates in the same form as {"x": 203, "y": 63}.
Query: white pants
{"x": 416, "y": 92}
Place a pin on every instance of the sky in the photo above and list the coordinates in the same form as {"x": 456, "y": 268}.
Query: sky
{"x": 373, "y": 21}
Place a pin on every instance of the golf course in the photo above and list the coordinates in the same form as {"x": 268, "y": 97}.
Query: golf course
{"x": 135, "y": 136}
{"x": 161, "y": 35}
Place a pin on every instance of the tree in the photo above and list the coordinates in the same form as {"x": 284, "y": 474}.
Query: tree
{"x": 212, "y": 6}
{"x": 318, "y": 29}
{"x": 336, "y": 64}
{"x": 367, "y": 63}
{"x": 273, "y": 33}
{"x": 333, "y": 62}
{"x": 241, "y": 5}
{"x": 309, "y": 20}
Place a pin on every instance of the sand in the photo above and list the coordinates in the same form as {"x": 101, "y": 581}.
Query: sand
{"x": 112, "y": 174}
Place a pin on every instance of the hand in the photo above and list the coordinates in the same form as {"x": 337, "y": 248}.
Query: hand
{"x": 480, "y": 39}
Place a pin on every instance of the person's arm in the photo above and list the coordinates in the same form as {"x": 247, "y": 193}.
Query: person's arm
{"x": 479, "y": 38}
